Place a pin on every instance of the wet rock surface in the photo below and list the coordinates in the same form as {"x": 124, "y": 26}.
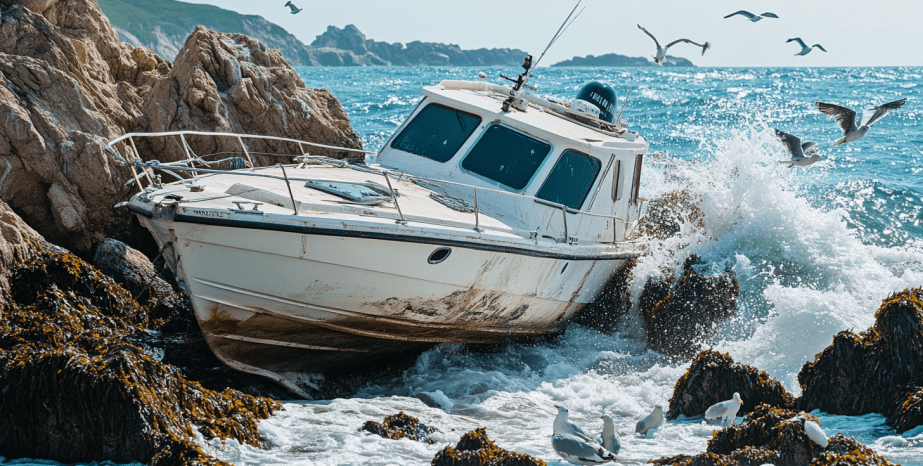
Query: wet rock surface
{"x": 876, "y": 371}
{"x": 776, "y": 436}
{"x": 129, "y": 267}
{"x": 81, "y": 382}
{"x": 714, "y": 377}
{"x": 612, "y": 305}
{"x": 689, "y": 310}
{"x": 476, "y": 449}
{"x": 68, "y": 85}
{"x": 400, "y": 425}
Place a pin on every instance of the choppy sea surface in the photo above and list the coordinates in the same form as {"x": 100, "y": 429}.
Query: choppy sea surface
{"x": 815, "y": 250}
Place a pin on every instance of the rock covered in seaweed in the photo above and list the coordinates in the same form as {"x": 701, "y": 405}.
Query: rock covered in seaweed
{"x": 612, "y": 304}
{"x": 400, "y": 425}
{"x": 776, "y": 429}
{"x": 476, "y": 449}
{"x": 79, "y": 385}
{"x": 16, "y": 240}
{"x": 876, "y": 371}
{"x": 715, "y": 377}
{"x": 689, "y": 312}
{"x": 909, "y": 412}
{"x": 847, "y": 451}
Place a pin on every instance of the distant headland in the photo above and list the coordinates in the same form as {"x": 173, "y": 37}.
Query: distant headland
{"x": 164, "y": 25}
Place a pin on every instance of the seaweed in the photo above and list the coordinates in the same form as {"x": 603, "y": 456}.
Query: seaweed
{"x": 400, "y": 425}
{"x": 713, "y": 377}
{"x": 612, "y": 304}
{"x": 78, "y": 386}
{"x": 874, "y": 371}
{"x": 476, "y": 449}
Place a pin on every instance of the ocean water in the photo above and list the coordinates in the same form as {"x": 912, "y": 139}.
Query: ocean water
{"x": 815, "y": 249}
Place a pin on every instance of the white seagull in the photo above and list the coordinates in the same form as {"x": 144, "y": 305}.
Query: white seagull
{"x": 725, "y": 410}
{"x": 651, "y": 422}
{"x": 662, "y": 51}
{"x": 815, "y": 433}
{"x": 563, "y": 426}
{"x": 847, "y": 118}
{"x": 573, "y": 444}
{"x": 804, "y": 47}
{"x": 751, "y": 16}
{"x": 578, "y": 451}
{"x": 803, "y": 154}
{"x": 608, "y": 438}
{"x": 294, "y": 8}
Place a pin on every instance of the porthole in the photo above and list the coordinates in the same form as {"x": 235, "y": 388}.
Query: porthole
{"x": 439, "y": 255}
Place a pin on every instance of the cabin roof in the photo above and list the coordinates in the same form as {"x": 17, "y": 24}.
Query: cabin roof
{"x": 537, "y": 121}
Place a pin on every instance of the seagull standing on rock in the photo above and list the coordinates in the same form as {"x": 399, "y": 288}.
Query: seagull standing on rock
{"x": 815, "y": 433}
{"x": 804, "y": 47}
{"x": 752, "y": 17}
{"x": 725, "y": 410}
{"x": 294, "y": 8}
{"x": 847, "y": 118}
{"x": 653, "y": 421}
{"x": 572, "y": 444}
{"x": 803, "y": 154}
{"x": 662, "y": 51}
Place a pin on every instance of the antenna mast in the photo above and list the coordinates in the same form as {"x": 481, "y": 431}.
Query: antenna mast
{"x": 529, "y": 66}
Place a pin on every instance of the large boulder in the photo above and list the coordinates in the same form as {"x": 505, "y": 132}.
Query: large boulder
{"x": 80, "y": 384}
{"x": 694, "y": 305}
{"x": 17, "y": 240}
{"x": 715, "y": 377}
{"x": 129, "y": 267}
{"x": 68, "y": 86}
{"x": 877, "y": 371}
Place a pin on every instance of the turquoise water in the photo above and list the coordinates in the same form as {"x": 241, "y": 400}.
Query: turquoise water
{"x": 815, "y": 250}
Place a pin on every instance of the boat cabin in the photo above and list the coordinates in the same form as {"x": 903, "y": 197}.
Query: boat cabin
{"x": 460, "y": 133}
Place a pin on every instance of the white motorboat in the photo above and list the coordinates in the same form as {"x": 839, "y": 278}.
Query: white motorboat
{"x": 491, "y": 213}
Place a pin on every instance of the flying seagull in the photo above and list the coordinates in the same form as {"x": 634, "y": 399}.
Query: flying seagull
{"x": 751, "y": 16}
{"x": 804, "y": 47}
{"x": 725, "y": 410}
{"x": 662, "y": 51}
{"x": 294, "y": 8}
{"x": 608, "y": 438}
{"x": 803, "y": 154}
{"x": 651, "y": 422}
{"x": 847, "y": 118}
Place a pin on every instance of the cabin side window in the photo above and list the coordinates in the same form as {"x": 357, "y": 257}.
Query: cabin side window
{"x": 570, "y": 179}
{"x": 437, "y": 132}
{"x": 506, "y": 156}
{"x": 637, "y": 181}
{"x": 617, "y": 181}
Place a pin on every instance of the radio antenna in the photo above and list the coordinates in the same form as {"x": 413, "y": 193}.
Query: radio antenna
{"x": 618, "y": 120}
{"x": 557, "y": 35}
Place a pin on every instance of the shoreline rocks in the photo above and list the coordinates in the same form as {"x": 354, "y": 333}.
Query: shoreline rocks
{"x": 81, "y": 385}
{"x": 68, "y": 85}
{"x": 714, "y": 377}
{"x": 475, "y": 449}
{"x": 400, "y": 425}
{"x": 877, "y": 371}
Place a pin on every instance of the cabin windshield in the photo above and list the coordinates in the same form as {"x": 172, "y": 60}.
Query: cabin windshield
{"x": 570, "y": 179}
{"x": 506, "y": 156}
{"x": 437, "y": 132}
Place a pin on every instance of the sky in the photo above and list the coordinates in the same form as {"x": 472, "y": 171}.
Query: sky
{"x": 855, "y": 33}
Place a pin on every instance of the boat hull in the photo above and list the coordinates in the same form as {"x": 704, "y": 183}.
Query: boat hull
{"x": 276, "y": 302}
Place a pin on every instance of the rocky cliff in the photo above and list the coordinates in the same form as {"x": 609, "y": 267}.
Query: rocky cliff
{"x": 68, "y": 85}
{"x": 350, "y": 47}
{"x": 614, "y": 59}
{"x": 163, "y": 26}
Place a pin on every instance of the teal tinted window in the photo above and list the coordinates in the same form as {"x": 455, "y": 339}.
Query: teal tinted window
{"x": 570, "y": 179}
{"x": 506, "y": 156}
{"x": 437, "y": 132}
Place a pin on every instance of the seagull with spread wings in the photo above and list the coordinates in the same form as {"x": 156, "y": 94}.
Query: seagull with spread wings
{"x": 752, "y": 17}
{"x": 295, "y": 9}
{"x": 804, "y": 47}
{"x": 846, "y": 117}
{"x": 803, "y": 154}
{"x": 662, "y": 51}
